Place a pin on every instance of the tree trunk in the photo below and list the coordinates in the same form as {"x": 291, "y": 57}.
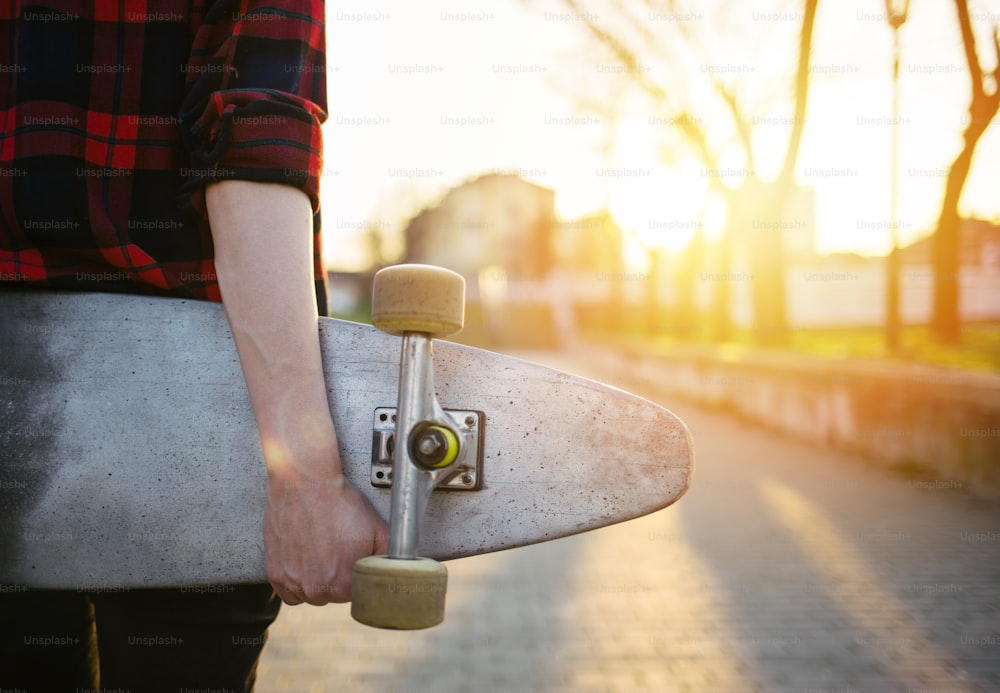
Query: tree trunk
{"x": 766, "y": 205}
{"x": 719, "y": 267}
{"x": 767, "y": 253}
{"x": 685, "y": 273}
{"x": 946, "y": 324}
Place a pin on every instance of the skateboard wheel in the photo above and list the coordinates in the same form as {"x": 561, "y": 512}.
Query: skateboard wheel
{"x": 418, "y": 298}
{"x": 398, "y": 593}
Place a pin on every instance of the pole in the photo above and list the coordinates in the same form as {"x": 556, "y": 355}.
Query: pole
{"x": 896, "y": 16}
{"x": 892, "y": 326}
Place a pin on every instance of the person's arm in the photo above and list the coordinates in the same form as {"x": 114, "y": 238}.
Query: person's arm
{"x": 315, "y": 524}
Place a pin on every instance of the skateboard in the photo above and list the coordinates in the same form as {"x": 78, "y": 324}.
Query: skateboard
{"x": 129, "y": 456}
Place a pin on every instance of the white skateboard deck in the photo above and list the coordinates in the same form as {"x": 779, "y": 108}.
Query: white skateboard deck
{"x": 129, "y": 456}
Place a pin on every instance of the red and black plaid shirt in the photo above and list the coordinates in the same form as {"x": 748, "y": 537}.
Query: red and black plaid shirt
{"x": 116, "y": 116}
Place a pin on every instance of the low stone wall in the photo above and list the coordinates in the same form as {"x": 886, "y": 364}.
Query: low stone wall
{"x": 946, "y": 421}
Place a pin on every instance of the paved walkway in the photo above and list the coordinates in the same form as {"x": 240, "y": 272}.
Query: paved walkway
{"x": 785, "y": 568}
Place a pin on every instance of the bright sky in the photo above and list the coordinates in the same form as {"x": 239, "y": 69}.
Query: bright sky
{"x": 423, "y": 96}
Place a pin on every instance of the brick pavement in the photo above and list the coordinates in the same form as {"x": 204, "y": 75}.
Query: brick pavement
{"x": 785, "y": 568}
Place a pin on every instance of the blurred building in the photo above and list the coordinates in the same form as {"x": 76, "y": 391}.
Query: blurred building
{"x": 496, "y": 222}
{"x": 843, "y": 289}
{"x": 849, "y": 290}
{"x": 498, "y": 231}
{"x": 590, "y": 246}
{"x": 591, "y": 272}
{"x": 979, "y": 247}
{"x": 534, "y": 281}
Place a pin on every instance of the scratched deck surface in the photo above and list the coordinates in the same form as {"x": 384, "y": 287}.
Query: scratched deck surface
{"x": 129, "y": 456}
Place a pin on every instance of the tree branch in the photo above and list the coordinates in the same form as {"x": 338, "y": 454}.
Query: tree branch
{"x": 969, "y": 46}
{"x": 684, "y": 120}
{"x": 801, "y": 94}
{"x": 744, "y": 131}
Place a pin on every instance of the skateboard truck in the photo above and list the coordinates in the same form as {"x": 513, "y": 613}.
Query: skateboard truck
{"x": 466, "y": 474}
{"x": 403, "y": 590}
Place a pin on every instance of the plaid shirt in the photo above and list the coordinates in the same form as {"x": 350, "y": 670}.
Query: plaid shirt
{"x": 118, "y": 114}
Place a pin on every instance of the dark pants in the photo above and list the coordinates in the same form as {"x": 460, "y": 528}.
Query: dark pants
{"x": 139, "y": 640}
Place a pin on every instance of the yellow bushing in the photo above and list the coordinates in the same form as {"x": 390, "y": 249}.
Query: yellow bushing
{"x": 453, "y": 447}
{"x": 444, "y": 436}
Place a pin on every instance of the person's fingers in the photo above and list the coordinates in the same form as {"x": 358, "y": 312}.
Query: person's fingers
{"x": 321, "y": 574}
{"x": 340, "y": 589}
{"x": 288, "y": 597}
{"x": 323, "y": 591}
{"x": 287, "y": 592}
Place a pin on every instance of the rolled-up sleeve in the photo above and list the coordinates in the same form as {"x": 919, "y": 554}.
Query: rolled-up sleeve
{"x": 256, "y": 95}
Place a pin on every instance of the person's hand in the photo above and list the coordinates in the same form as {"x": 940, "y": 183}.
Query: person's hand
{"x": 315, "y": 528}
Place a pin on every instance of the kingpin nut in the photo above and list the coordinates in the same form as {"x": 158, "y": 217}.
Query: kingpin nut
{"x": 434, "y": 447}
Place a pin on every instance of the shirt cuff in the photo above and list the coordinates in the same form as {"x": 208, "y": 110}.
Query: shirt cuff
{"x": 264, "y": 136}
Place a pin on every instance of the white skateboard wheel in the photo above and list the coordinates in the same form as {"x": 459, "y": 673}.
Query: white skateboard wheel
{"x": 418, "y": 298}
{"x": 398, "y": 593}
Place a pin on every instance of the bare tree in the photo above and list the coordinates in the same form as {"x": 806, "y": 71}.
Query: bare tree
{"x": 628, "y": 39}
{"x": 945, "y": 321}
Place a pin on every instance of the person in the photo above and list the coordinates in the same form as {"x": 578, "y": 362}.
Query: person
{"x": 177, "y": 152}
